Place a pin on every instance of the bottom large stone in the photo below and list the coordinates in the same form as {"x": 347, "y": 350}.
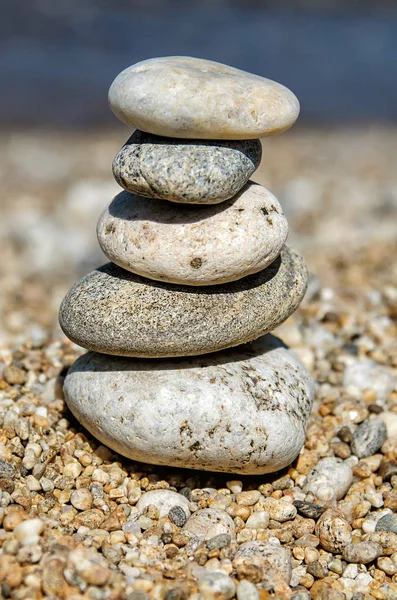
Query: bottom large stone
{"x": 239, "y": 411}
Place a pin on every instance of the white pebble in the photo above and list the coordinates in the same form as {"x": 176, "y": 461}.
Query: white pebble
{"x": 351, "y": 571}
{"x": 28, "y": 532}
{"x": 246, "y": 590}
{"x": 235, "y": 486}
{"x": 258, "y": 520}
{"x": 330, "y": 478}
{"x": 164, "y": 500}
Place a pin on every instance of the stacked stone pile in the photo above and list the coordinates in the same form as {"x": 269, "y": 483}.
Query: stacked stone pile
{"x": 198, "y": 266}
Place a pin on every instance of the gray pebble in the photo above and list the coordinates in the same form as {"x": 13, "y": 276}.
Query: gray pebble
{"x": 189, "y": 171}
{"x": 301, "y": 595}
{"x": 361, "y": 552}
{"x": 246, "y": 590}
{"x": 116, "y": 312}
{"x": 219, "y": 541}
{"x": 368, "y": 438}
{"x": 178, "y": 516}
{"x": 6, "y": 469}
{"x": 387, "y": 523}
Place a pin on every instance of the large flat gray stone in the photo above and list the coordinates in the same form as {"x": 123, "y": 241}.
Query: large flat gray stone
{"x": 117, "y": 312}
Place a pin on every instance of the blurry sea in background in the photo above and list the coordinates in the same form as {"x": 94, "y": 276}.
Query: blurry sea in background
{"x": 58, "y": 57}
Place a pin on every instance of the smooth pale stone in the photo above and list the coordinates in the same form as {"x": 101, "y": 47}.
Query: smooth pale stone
{"x": 207, "y": 523}
{"x": 184, "y": 97}
{"x": 331, "y": 475}
{"x": 117, "y": 312}
{"x": 164, "y": 500}
{"x": 242, "y": 411}
{"x": 194, "y": 245}
{"x": 191, "y": 172}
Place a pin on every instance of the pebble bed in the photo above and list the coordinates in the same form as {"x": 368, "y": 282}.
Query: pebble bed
{"x": 79, "y": 521}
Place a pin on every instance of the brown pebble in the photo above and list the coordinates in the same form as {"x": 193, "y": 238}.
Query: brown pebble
{"x": 345, "y": 434}
{"x": 15, "y": 375}
{"x": 317, "y": 569}
{"x": 333, "y": 531}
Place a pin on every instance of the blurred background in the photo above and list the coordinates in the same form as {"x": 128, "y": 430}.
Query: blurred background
{"x": 335, "y": 172}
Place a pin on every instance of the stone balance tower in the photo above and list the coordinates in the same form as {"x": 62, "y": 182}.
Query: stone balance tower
{"x": 199, "y": 270}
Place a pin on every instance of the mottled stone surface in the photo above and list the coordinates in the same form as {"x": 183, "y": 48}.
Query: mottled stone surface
{"x": 207, "y": 523}
{"x": 184, "y": 97}
{"x": 188, "y": 171}
{"x": 116, "y": 312}
{"x": 194, "y": 245}
{"x": 330, "y": 478}
{"x": 368, "y": 437}
{"x": 242, "y": 410}
{"x": 273, "y": 560}
{"x": 164, "y": 501}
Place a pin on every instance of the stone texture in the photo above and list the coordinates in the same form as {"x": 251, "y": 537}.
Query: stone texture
{"x": 387, "y": 523}
{"x": 368, "y": 437}
{"x": 164, "y": 501}
{"x": 331, "y": 476}
{"x": 273, "y": 559}
{"x": 207, "y": 523}
{"x": 116, "y": 312}
{"x": 194, "y": 245}
{"x": 188, "y": 171}
{"x": 245, "y": 411}
{"x": 184, "y": 97}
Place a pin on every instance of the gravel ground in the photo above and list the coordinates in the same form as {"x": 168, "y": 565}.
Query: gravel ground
{"x": 79, "y": 521}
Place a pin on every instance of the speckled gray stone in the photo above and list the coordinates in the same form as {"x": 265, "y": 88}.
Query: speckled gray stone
{"x": 387, "y": 523}
{"x": 116, "y": 312}
{"x": 242, "y": 411}
{"x": 188, "y": 171}
{"x": 368, "y": 437}
{"x": 194, "y": 245}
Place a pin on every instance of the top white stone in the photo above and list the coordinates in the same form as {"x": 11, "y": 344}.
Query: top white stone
{"x": 184, "y": 97}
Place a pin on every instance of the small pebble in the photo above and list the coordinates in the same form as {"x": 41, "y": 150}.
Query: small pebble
{"x": 164, "y": 500}
{"x": 219, "y": 541}
{"x": 28, "y": 532}
{"x": 258, "y": 520}
{"x": 308, "y": 510}
{"x": 208, "y": 523}
{"x": 177, "y": 515}
{"x": 216, "y": 586}
{"x": 81, "y": 499}
{"x": 330, "y": 474}
{"x": 387, "y": 523}
{"x": 368, "y": 437}
{"x": 248, "y": 498}
{"x": 361, "y": 552}
{"x": 273, "y": 560}
{"x": 246, "y": 590}
{"x": 333, "y": 531}
{"x": 279, "y": 510}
